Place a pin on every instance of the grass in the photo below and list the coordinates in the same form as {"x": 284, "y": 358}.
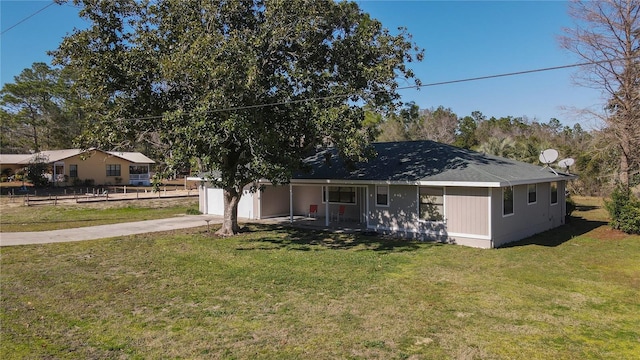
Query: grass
{"x": 41, "y": 218}
{"x": 281, "y": 293}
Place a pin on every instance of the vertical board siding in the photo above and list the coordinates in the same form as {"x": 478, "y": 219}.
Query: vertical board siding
{"x": 466, "y": 210}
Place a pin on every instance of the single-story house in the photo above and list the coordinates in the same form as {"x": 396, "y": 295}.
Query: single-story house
{"x": 418, "y": 189}
{"x": 72, "y": 166}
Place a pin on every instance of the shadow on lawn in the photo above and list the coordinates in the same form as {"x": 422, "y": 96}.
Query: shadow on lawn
{"x": 311, "y": 240}
{"x": 576, "y": 226}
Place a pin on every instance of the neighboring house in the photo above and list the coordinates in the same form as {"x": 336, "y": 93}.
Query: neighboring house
{"x": 418, "y": 189}
{"x": 74, "y": 166}
{"x": 10, "y": 163}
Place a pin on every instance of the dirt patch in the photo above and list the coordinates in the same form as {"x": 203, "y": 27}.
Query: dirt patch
{"x": 606, "y": 233}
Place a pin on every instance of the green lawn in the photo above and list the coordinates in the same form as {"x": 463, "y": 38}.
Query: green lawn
{"x": 279, "y": 293}
{"x": 67, "y": 216}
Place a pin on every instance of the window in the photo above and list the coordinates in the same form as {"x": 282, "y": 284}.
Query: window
{"x": 340, "y": 194}
{"x": 554, "y": 193}
{"x": 113, "y": 169}
{"x": 73, "y": 171}
{"x": 382, "y": 195}
{"x": 532, "y": 190}
{"x": 431, "y": 204}
{"x": 507, "y": 201}
{"x": 138, "y": 169}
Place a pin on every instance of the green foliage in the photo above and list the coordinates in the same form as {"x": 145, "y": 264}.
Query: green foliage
{"x": 38, "y": 111}
{"x": 571, "y": 206}
{"x": 624, "y": 210}
{"x": 200, "y": 76}
{"x": 466, "y": 137}
{"x": 276, "y": 292}
{"x": 36, "y": 170}
{"x": 193, "y": 211}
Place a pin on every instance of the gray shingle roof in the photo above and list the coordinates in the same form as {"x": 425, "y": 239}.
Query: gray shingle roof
{"x": 427, "y": 162}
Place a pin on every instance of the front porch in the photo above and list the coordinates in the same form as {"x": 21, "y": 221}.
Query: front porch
{"x": 306, "y": 222}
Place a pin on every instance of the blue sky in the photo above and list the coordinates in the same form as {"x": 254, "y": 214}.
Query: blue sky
{"x": 462, "y": 39}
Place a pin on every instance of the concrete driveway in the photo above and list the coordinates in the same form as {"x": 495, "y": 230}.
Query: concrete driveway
{"x": 106, "y": 231}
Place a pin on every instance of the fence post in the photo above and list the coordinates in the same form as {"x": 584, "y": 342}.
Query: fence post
{"x": 55, "y": 201}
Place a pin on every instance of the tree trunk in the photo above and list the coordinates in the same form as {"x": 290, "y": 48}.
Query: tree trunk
{"x": 230, "y": 223}
{"x": 624, "y": 161}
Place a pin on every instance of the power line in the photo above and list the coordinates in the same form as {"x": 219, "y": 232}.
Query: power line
{"x": 523, "y": 72}
{"x": 27, "y": 18}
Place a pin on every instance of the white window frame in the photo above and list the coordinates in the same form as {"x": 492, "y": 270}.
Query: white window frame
{"x": 535, "y": 192}
{"x": 387, "y": 193}
{"x": 116, "y": 167}
{"x": 71, "y": 166}
{"x": 513, "y": 210}
{"x": 325, "y": 193}
{"x": 420, "y": 219}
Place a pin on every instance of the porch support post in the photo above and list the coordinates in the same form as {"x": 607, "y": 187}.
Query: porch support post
{"x": 326, "y": 206}
{"x": 366, "y": 211}
{"x": 290, "y": 203}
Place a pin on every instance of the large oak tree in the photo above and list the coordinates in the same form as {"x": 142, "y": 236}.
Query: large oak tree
{"x": 247, "y": 86}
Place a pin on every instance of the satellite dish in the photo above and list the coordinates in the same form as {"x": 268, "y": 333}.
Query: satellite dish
{"x": 566, "y": 163}
{"x": 548, "y": 156}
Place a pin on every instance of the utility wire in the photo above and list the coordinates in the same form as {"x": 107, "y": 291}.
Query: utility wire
{"x": 417, "y": 87}
{"x": 27, "y": 18}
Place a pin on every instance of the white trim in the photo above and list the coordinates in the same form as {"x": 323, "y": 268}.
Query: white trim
{"x": 448, "y": 234}
{"x": 513, "y": 202}
{"x": 490, "y": 214}
{"x": 420, "y": 220}
{"x": 463, "y": 235}
{"x": 535, "y": 191}
{"x": 340, "y": 203}
{"x": 491, "y": 184}
{"x": 557, "y": 194}
{"x": 367, "y": 211}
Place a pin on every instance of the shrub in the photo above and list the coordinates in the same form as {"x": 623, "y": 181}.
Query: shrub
{"x": 193, "y": 211}
{"x": 571, "y": 206}
{"x": 36, "y": 170}
{"x": 624, "y": 210}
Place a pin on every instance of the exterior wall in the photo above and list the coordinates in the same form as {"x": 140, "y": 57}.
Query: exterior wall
{"x": 401, "y": 215}
{"x": 273, "y": 201}
{"x": 466, "y": 216}
{"x": 94, "y": 168}
{"x": 306, "y": 195}
{"x": 527, "y": 219}
{"x": 473, "y": 216}
{"x": 213, "y": 203}
{"x": 246, "y": 208}
{"x": 12, "y": 168}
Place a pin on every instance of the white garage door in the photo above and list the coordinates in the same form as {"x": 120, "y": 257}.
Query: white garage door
{"x": 215, "y": 204}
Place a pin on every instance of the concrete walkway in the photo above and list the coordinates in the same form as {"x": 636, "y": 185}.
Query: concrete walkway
{"x": 106, "y": 231}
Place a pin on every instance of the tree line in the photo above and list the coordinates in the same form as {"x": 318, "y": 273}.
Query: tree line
{"x": 41, "y": 112}
{"x": 186, "y": 81}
